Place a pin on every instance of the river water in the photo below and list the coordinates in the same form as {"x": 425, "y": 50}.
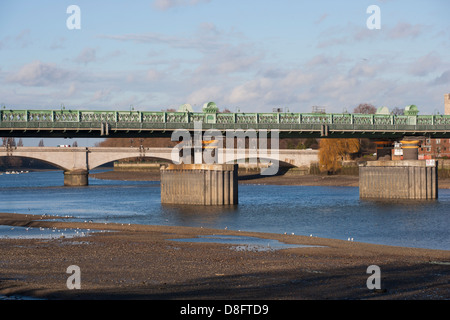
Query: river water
{"x": 329, "y": 212}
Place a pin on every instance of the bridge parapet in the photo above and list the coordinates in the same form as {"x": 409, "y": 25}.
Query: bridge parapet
{"x": 85, "y": 123}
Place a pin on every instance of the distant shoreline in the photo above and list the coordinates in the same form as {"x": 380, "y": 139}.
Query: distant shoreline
{"x": 289, "y": 179}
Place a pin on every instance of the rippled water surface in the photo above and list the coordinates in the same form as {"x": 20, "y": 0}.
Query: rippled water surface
{"x": 330, "y": 212}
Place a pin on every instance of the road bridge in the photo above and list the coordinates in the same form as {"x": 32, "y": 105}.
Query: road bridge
{"x": 77, "y": 161}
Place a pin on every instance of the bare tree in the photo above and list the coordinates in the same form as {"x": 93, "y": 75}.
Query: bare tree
{"x": 398, "y": 111}
{"x": 75, "y": 144}
{"x": 41, "y": 143}
{"x": 11, "y": 142}
{"x": 365, "y": 108}
{"x": 20, "y": 143}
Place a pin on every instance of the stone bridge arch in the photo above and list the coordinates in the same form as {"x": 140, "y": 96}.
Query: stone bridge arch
{"x": 63, "y": 158}
{"x": 51, "y": 163}
{"x": 100, "y": 156}
{"x": 76, "y": 162}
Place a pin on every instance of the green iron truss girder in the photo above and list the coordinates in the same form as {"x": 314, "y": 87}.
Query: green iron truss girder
{"x": 89, "y": 123}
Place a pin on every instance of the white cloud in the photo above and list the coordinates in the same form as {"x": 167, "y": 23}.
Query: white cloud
{"x": 58, "y": 43}
{"x": 252, "y": 91}
{"x": 443, "y": 79}
{"x": 38, "y": 73}
{"x": 351, "y": 34}
{"x": 102, "y": 95}
{"x": 362, "y": 70}
{"x": 405, "y": 30}
{"x": 72, "y": 90}
{"x": 170, "y": 4}
{"x": 23, "y": 38}
{"x": 321, "y": 19}
{"x": 205, "y": 94}
{"x": 154, "y": 75}
{"x": 86, "y": 55}
{"x": 425, "y": 64}
{"x": 227, "y": 59}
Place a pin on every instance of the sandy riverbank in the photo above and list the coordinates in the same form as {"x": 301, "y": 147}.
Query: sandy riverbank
{"x": 287, "y": 179}
{"x": 141, "y": 262}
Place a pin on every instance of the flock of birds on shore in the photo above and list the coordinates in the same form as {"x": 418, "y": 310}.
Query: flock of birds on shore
{"x": 80, "y": 232}
{"x": 13, "y": 172}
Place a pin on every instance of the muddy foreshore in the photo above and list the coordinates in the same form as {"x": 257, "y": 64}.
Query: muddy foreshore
{"x": 144, "y": 262}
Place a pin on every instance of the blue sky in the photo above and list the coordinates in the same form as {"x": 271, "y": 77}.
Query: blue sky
{"x": 251, "y": 55}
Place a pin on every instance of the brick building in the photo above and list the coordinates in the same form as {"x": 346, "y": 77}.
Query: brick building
{"x": 434, "y": 148}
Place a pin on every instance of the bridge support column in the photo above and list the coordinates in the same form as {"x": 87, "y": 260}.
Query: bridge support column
{"x": 407, "y": 179}
{"x": 199, "y": 184}
{"x": 76, "y": 178}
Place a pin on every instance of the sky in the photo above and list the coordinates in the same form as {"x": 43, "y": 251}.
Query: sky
{"x": 252, "y": 55}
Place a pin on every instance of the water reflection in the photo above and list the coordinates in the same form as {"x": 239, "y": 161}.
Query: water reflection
{"x": 205, "y": 216}
{"x": 243, "y": 243}
{"x": 14, "y": 232}
{"x": 330, "y": 212}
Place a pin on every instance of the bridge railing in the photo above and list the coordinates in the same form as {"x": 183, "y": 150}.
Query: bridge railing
{"x": 175, "y": 120}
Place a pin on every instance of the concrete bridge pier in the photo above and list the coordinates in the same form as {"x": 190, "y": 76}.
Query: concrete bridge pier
{"x": 76, "y": 178}
{"x": 409, "y": 178}
{"x": 199, "y": 184}
{"x": 402, "y": 179}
